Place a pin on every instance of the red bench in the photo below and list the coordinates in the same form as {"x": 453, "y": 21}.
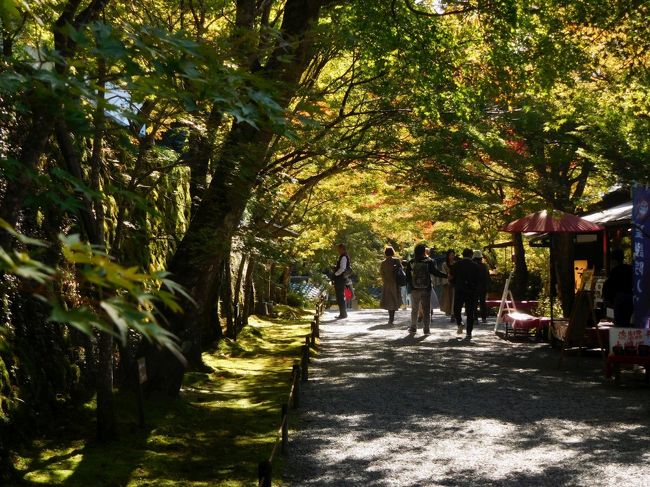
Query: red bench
{"x": 523, "y": 324}
{"x": 525, "y": 306}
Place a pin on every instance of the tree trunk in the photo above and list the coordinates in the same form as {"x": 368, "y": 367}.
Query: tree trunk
{"x": 284, "y": 290}
{"x": 7, "y": 43}
{"x": 199, "y": 259}
{"x": 270, "y": 290}
{"x": 237, "y": 301}
{"x": 8, "y": 472}
{"x": 226, "y": 298}
{"x": 240, "y": 279}
{"x": 198, "y": 155}
{"x": 249, "y": 291}
{"x": 520, "y": 276}
{"x": 44, "y": 110}
{"x": 564, "y": 269}
{"x": 30, "y": 153}
{"x": 215, "y": 330}
{"x": 206, "y": 245}
{"x": 106, "y": 424}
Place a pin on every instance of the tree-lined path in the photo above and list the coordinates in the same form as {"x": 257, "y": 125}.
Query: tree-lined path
{"x": 386, "y": 408}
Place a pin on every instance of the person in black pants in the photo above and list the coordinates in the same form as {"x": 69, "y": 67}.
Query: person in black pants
{"x": 341, "y": 275}
{"x": 466, "y": 276}
{"x": 483, "y": 284}
{"x": 618, "y": 289}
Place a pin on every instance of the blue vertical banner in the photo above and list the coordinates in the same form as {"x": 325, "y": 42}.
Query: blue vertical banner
{"x": 641, "y": 264}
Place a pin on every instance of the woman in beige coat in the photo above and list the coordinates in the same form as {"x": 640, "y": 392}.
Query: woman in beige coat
{"x": 391, "y": 297}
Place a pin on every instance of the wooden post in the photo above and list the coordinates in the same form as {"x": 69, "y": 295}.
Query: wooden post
{"x": 312, "y": 335}
{"x": 314, "y": 329}
{"x": 296, "y": 386}
{"x": 264, "y": 473}
{"x": 305, "y": 363}
{"x": 285, "y": 427}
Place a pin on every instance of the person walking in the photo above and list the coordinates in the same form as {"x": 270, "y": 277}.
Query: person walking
{"x": 419, "y": 272}
{"x": 483, "y": 284}
{"x": 447, "y": 296}
{"x": 391, "y": 296}
{"x": 618, "y": 289}
{"x": 434, "y": 302}
{"x": 465, "y": 277}
{"x": 342, "y": 271}
{"x": 406, "y": 289}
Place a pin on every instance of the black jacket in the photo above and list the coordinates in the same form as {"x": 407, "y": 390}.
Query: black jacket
{"x": 466, "y": 276}
{"x": 484, "y": 282}
{"x": 620, "y": 280}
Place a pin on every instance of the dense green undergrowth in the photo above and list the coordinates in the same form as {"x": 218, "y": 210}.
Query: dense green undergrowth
{"x": 215, "y": 433}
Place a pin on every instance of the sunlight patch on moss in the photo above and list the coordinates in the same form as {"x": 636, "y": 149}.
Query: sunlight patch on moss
{"x": 215, "y": 434}
{"x": 49, "y": 477}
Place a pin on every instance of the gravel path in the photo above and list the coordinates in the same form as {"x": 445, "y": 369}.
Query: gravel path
{"x": 385, "y": 408}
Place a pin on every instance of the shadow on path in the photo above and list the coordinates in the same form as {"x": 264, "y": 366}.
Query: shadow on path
{"x": 387, "y": 408}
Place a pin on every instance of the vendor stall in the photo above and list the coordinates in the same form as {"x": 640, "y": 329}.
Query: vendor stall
{"x": 628, "y": 346}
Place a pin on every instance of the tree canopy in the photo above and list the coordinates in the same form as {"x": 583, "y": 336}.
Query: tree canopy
{"x": 192, "y": 137}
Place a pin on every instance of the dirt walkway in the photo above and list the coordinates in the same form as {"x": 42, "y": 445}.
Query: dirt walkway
{"x": 386, "y": 408}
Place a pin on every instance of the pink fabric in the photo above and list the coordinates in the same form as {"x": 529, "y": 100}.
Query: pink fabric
{"x": 522, "y": 320}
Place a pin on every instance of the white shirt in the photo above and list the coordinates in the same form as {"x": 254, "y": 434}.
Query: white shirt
{"x": 342, "y": 266}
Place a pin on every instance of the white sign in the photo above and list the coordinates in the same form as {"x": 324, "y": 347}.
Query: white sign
{"x": 628, "y": 337}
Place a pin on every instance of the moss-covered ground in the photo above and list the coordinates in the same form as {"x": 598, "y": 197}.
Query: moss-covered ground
{"x": 215, "y": 433}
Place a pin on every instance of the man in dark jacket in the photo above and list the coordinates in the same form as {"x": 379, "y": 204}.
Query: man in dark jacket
{"x": 341, "y": 272}
{"x": 418, "y": 272}
{"x": 618, "y": 289}
{"x": 466, "y": 275}
{"x": 482, "y": 285}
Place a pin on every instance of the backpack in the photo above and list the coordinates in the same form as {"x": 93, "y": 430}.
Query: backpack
{"x": 420, "y": 276}
{"x": 400, "y": 276}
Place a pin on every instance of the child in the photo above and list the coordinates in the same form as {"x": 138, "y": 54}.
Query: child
{"x": 347, "y": 293}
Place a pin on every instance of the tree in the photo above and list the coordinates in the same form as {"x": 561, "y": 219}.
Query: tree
{"x": 178, "y": 141}
{"x": 531, "y": 140}
{"x": 78, "y": 159}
